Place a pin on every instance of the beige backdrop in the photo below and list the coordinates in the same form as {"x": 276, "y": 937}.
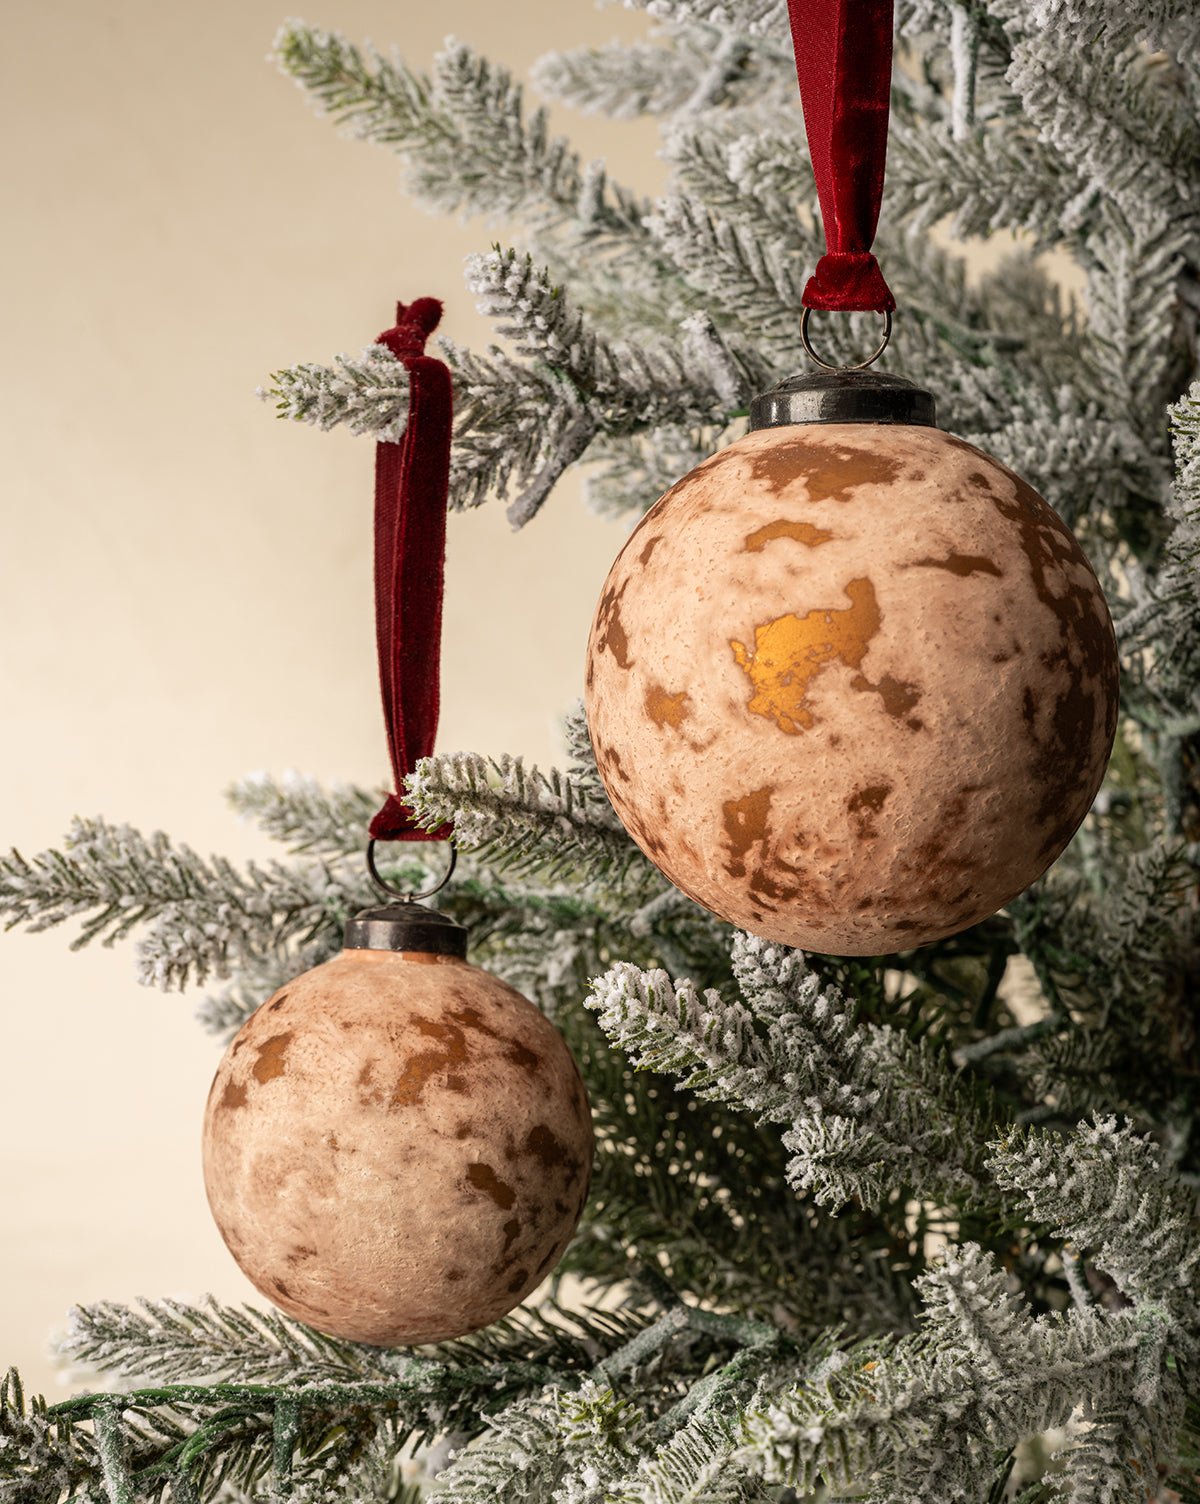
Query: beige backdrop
{"x": 185, "y": 582}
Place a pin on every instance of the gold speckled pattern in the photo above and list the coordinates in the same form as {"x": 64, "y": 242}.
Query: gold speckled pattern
{"x": 397, "y": 1152}
{"x": 852, "y": 686}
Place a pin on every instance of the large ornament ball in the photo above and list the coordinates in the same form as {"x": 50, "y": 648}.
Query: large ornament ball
{"x": 397, "y": 1147}
{"x": 852, "y": 686}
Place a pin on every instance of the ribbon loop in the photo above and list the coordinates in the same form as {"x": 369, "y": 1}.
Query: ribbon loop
{"x": 848, "y": 280}
{"x": 844, "y": 68}
{"x": 411, "y": 486}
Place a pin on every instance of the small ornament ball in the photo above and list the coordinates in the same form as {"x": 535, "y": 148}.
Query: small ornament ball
{"x": 852, "y": 686}
{"x": 397, "y": 1147}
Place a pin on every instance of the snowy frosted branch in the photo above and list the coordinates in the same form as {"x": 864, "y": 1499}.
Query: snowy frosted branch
{"x": 929, "y": 1417}
{"x": 1104, "y": 1188}
{"x": 629, "y": 384}
{"x": 523, "y": 422}
{"x": 1116, "y": 948}
{"x": 1133, "y": 274}
{"x": 620, "y": 81}
{"x": 307, "y": 816}
{"x": 462, "y": 130}
{"x": 260, "y": 975}
{"x": 629, "y": 472}
{"x": 518, "y": 817}
{"x": 867, "y": 1109}
{"x": 969, "y": 1302}
{"x": 1076, "y": 461}
{"x": 757, "y": 278}
{"x": 702, "y": 68}
{"x": 521, "y": 1454}
{"x": 1168, "y": 24}
{"x": 1125, "y": 139}
{"x": 368, "y": 393}
{"x": 754, "y": 18}
{"x": 695, "y": 1467}
{"x": 1184, "y": 505}
{"x": 165, "y": 1341}
{"x": 990, "y": 181}
{"x": 756, "y": 178}
{"x": 204, "y": 915}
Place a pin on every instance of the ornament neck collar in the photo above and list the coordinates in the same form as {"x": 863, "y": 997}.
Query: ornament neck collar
{"x": 844, "y": 397}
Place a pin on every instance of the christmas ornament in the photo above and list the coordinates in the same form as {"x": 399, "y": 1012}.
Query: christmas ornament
{"x": 851, "y": 684}
{"x": 398, "y": 1146}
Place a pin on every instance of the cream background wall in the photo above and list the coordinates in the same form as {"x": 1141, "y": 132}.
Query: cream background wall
{"x": 185, "y": 582}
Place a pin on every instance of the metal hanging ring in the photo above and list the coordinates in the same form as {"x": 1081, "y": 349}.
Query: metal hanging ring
{"x": 386, "y": 887}
{"x": 862, "y": 365}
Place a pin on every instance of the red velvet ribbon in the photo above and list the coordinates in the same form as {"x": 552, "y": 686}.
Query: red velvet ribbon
{"x": 844, "y": 66}
{"x": 411, "y": 485}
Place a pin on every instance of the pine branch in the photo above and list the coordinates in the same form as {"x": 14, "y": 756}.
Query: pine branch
{"x": 594, "y": 1414}
{"x": 867, "y": 1109}
{"x": 969, "y": 1305}
{"x": 167, "y": 1341}
{"x": 629, "y": 472}
{"x": 726, "y": 157}
{"x": 1112, "y": 952}
{"x": 1101, "y": 110}
{"x": 993, "y": 180}
{"x": 750, "y": 257}
{"x": 39, "y": 1461}
{"x": 653, "y": 382}
{"x": 463, "y": 131}
{"x": 493, "y": 397}
{"x": 917, "y": 1423}
{"x": 514, "y": 423}
{"x": 753, "y": 18}
{"x": 1184, "y": 503}
{"x": 524, "y": 424}
{"x": 520, "y": 1456}
{"x": 578, "y": 1446}
{"x": 619, "y": 81}
{"x": 308, "y": 817}
{"x": 694, "y": 1467}
{"x": 368, "y": 393}
{"x": 331, "y": 1413}
{"x": 528, "y": 821}
{"x": 753, "y": 272}
{"x": 670, "y": 1176}
{"x": 1104, "y": 1189}
{"x": 205, "y": 916}
{"x": 199, "y": 1439}
{"x": 590, "y": 385}
{"x": 1083, "y": 464}
{"x": 701, "y": 69}
{"x": 1171, "y": 25}
{"x": 1131, "y": 343}
{"x": 578, "y": 741}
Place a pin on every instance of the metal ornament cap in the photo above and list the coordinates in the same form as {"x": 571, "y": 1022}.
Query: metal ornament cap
{"x": 406, "y": 927}
{"x": 844, "y": 397}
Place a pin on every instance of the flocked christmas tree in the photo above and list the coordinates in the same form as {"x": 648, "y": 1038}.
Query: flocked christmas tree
{"x": 898, "y": 1227}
